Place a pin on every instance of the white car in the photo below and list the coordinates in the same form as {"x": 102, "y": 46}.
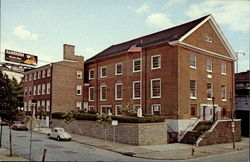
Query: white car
{"x": 59, "y": 134}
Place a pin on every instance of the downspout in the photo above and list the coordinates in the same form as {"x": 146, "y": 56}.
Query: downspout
{"x": 97, "y": 87}
{"x": 145, "y": 82}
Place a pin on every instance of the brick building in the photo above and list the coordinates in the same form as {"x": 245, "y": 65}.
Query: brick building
{"x": 57, "y": 86}
{"x": 184, "y": 71}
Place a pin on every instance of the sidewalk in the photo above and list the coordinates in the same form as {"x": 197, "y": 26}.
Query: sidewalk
{"x": 175, "y": 151}
{"x": 5, "y": 156}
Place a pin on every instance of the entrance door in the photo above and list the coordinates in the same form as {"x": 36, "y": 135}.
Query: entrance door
{"x": 206, "y": 113}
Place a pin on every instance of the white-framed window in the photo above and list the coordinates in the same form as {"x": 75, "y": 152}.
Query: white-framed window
{"x": 43, "y": 103}
{"x": 38, "y": 89}
{"x": 30, "y": 90}
{"x": 136, "y": 107}
{"x": 106, "y": 109}
{"x": 91, "y": 93}
{"x": 78, "y": 105}
{"x": 48, "y": 105}
{"x": 38, "y": 104}
{"x": 48, "y": 88}
{"x": 118, "y": 69}
{"x": 29, "y": 105}
{"x": 79, "y": 90}
{"x": 223, "y": 92}
{"x": 43, "y": 89}
{"x": 91, "y": 108}
{"x": 35, "y": 74}
{"x": 118, "y": 111}
{"x": 38, "y": 74}
{"x": 209, "y": 91}
{"x": 103, "y": 92}
{"x": 156, "y": 62}
{"x": 103, "y": 72}
{"x": 25, "y": 106}
{"x": 34, "y": 90}
{"x": 208, "y": 39}
{"x": 136, "y": 65}
{"x": 136, "y": 89}
{"x": 48, "y": 72}
{"x": 30, "y": 77}
{"x": 25, "y": 91}
{"x": 209, "y": 65}
{"x": 118, "y": 91}
{"x": 79, "y": 75}
{"x": 223, "y": 68}
{"x": 91, "y": 74}
{"x": 192, "y": 61}
{"x": 44, "y": 73}
{"x": 156, "y": 88}
{"x": 156, "y": 109}
{"x": 193, "y": 88}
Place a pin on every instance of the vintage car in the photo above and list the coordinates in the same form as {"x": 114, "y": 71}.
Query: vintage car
{"x": 19, "y": 125}
{"x": 59, "y": 134}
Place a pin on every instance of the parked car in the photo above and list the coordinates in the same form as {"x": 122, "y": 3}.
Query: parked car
{"x": 3, "y": 123}
{"x": 59, "y": 134}
{"x": 19, "y": 125}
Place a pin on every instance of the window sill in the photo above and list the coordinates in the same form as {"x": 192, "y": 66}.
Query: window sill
{"x": 91, "y": 100}
{"x": 118, "y": 99}
{"x": 193, "y": 98}
{"x": 192, "y": 67}
{"x": 136, "y": 98}
{"x": 118, "y": 74}
{"x": 103, "y": 100}
{"x": 156, "y": 68}
{"x": 136, "y": 71}
{"x": 224, "y": 100}
{"x": 209, "y": 71}
{"x": 223, "y": 74}
{"x": 155, "y": 97}
{"x": 209, "y": 99}
{"x": 103, "y": 77}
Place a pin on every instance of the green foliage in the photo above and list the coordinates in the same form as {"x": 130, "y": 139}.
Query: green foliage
{"x": 127, "y": 109}
{"x": 84, "y": 116}
{"x": 132, "y": 119}
{"x": 11, "y": 97}
{"x": 68, "y": 117}
{"x": 104, "y": 120}
{"x": 58, "y": 115}
{"x": 41, "y": 111}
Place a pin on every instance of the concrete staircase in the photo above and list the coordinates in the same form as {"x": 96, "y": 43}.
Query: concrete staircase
{"x": 200, "y": 129}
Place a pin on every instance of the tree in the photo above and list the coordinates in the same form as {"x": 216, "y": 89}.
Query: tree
{"x": 41, "y": 111}
{"x": 69, "y": 117}
{"x": 105, "y": 122}
{"x": 11, "y": 99}
{"x": 127, "y": 109}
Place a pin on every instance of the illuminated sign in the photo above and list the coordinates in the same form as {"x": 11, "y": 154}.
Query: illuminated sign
{"x": 20, "y": 57}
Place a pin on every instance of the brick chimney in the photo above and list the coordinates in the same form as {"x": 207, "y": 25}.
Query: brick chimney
{"x": 68, "y": 52}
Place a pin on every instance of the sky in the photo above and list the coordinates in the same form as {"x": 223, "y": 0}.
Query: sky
{"x": 41, "y": 27}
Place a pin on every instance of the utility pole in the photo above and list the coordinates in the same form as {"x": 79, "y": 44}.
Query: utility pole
{"x": 233, "y": 125}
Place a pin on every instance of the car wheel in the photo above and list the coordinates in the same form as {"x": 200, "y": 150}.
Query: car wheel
{"x": 69, "y": 139}
{"x": 58, "y": 138}
{"x": 49, "y": 135}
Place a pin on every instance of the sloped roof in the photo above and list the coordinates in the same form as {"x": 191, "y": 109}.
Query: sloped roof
{"x": 167, "y": 35}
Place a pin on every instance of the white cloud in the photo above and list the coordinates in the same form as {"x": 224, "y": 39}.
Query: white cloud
{"x": 23, "y": 33}
{"x": 159, "y": 20}
{"x": 235, "y": 14}
{"x": 172, "y": 2}
{"x": 143, "y": 8}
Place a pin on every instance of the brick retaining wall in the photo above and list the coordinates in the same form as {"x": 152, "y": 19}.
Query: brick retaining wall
{"x": 221, "y": 133}
{"x": 130, "y": 133}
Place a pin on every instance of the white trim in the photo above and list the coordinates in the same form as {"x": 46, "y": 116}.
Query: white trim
{"x": 137, "y": 81}
{"x": 101, "y": 76}
{"x": 134, "y": 65}
{"x": 193, "y": 97}
{"x": 224, "y": 99}
{"x": 223, "y": 63}
{"x": 101, "y": 99}
{"x": 93, "y": 74}
{"x": 78, "y": 87}
{"x": 89, "y": 94}
{"x": 152, "y": 108}
{"x": 116, "y": 110}
{"x": 134, "y": 105}
{"x": 208, "y": 70}
{"x": 195, "y": 61}
{"x": 80, "y": 73}
{"x": 212, "y": 92}
{"x": 116, "y": 91}
{"x": 101, "y": 106}
{"x": 120, "y": 63}
{"x": 152, "y": 88}
{"x": 152, "y": 68}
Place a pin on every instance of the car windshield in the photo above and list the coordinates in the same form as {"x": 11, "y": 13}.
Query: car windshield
{"x": 60, "y": 130}
{"x": 17, "y": 122}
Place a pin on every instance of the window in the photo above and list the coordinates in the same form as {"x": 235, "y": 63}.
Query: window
{"x": 118, "y": 69}
{"x": 30, "y": 90}
{"x": 103, "y": 72}
{"x": 136, "y": 65}
{"x": 91, "y": 74}
{"x": 118, "y": 110}
{"x": 192, "y": 89}
{"x": 209, "y": 66}
{"x": 26, "y": 91}
{"x": 103, "y": 96}
{"x": 79, "y": 90}
{"x": 79, "y": 75}
{"x": 38, "y": 103}
{"x": 48, "y": 88}
{"x": 38, "y": 89}
{"x": 78, "y": 106}
{"x": 91, "y": 108}
{"x": 38, "y": 74}
{"x": 48, "y": 105}
{"x": 29, "y": 105}
{"x": 34, "y": 90}
{"x": 25, "y": 106}
{"x": 156, "y": 109}
{"x": 118, "y": 91}
{"x": 193, "y": 110}
{"x": 136, "y": 107}
{"x": 136, "y": 89}
{"x": 223, "y": 68}
{"x": 106, "y": 109}
{"x": 223, "y": 92}
{"x": 43, "y": 89}
{"x": 209, "y": 91}
{"x": 91, "y": 93}
{"x": 30, "y": 77}
{"x": 48, "y": 72}
{"x": 43, "y": 103}
{"x": 192, "y": 61}
{"x": 35, "y": 75}
{"x": 44, "y": 73}
{"x": 155, "y": 88}
{"x": 156, "y": 62}
{"x": 208, "y": 39}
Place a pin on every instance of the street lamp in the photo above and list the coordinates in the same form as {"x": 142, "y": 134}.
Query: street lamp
{"x": 213, "y": 109}
{"x": 237, "y": 59}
